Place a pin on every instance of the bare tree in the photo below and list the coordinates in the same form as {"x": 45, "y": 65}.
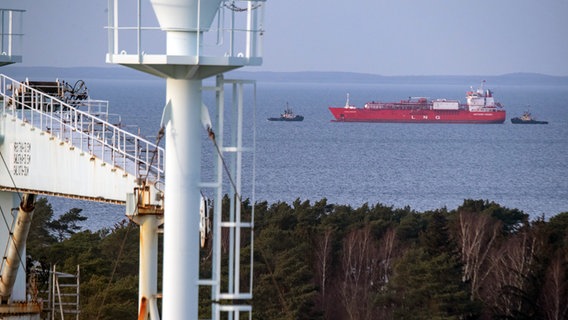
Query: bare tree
{"x": 512, "y": 265}
{"x": 477, "y": 234}
{"x": 386, "y": 247}
{"x": 554, "y": 294}
{"x": 360, "y": 273}
{"x": 323, "y": 259}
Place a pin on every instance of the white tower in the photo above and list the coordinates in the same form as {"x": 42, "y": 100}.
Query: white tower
{"x": 187, "y": 61}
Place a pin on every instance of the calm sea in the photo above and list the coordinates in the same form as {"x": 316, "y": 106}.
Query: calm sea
{"x": 424, "y": 166}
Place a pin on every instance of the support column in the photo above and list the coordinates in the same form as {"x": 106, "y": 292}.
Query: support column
{"x": 181, "y": 200}
{"x": 148, "y": 282}
{"x": 13, "y": 284}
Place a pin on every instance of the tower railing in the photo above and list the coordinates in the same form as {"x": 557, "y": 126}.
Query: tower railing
{"x": 141, "y": 35}
{"x": 83, "y": 124}
{"x": 11, "y": 35}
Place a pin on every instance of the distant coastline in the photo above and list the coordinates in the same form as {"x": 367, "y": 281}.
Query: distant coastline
{"x": 123, "y": 73}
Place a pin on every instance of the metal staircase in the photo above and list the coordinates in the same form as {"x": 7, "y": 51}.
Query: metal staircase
{"x": 83, "y": 123}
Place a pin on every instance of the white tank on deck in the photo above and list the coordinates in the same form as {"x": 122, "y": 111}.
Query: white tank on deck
{"x": 443, "y": 104}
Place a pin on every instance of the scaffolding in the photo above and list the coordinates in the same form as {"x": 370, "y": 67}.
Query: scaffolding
{"x": 63, "y": 294}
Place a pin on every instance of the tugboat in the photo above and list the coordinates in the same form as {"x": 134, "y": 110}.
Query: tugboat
{"x": 288, "y": 115}
{"x": 527, "y": 118}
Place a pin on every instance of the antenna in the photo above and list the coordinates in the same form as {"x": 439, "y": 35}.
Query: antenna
{"x": 188, "y": 59}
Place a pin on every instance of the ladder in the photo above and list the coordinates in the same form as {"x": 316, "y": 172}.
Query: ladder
{"x": 63, "y": 295}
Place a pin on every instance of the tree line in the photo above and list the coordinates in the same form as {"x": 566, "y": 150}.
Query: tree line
{"x": 326, "y": 261}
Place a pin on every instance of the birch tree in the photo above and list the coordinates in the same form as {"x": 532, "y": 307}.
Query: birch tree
{"x": 509, "y": 292}
{"x": 323, "y": 263}
{"x": 359, "y": 265}
{"x": 477, "y": 235}
{"x": 554, "y": 294}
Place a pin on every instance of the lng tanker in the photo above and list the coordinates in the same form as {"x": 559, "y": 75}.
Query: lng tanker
{"x": 480, "y": 107}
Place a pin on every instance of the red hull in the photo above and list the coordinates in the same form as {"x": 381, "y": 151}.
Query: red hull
{"x": 417, "y": 116}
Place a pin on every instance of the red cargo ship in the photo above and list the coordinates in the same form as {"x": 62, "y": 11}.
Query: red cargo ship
{"x": 480, "y": 107}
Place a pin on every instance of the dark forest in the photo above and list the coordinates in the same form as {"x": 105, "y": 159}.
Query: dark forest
{"x": 327, "y": 261}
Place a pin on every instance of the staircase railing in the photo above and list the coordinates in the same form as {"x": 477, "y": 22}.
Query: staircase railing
{"x": 84, "y": 124}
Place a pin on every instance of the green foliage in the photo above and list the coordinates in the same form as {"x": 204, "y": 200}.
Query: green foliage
{"x": 109, "y": 300}
{"x": 557, "y": 231}
{"x": 39, "y": 236}
{"x": 285, "y": 286}
{"x": 435, "y": 239}
{"x": 410, "y": 227}
{"x": 428, "y": 286}
{"x": 513, "y": 219}
{"x": 66, "y": 224}
{"x": 106, "y": 292}
{"x": 411, "y": 264}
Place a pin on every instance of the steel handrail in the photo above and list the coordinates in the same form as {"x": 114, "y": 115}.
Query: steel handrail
{"x": 91, "y": 133}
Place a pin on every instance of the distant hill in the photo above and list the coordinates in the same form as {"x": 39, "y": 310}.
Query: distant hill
{"x": 119, "y": 72}
{"x": 350, "y": 77}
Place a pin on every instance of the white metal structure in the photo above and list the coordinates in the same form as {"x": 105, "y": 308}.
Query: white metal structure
{"x": 71, "y": 150}
{"x": 52, "y": 144}
{"x": 188, "y": 59}
{"x": 10, "y": 36}
{"x": 236, "y": 142}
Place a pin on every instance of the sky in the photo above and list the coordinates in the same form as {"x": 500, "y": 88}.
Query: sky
{"x": 386, "y": 37}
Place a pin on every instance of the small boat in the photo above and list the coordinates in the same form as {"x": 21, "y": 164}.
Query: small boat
{"x": 527, "y": 118}
{"x": 288, "y": 115}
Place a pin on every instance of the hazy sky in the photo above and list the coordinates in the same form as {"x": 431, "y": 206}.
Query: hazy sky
{"x": 389, "y": 37}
